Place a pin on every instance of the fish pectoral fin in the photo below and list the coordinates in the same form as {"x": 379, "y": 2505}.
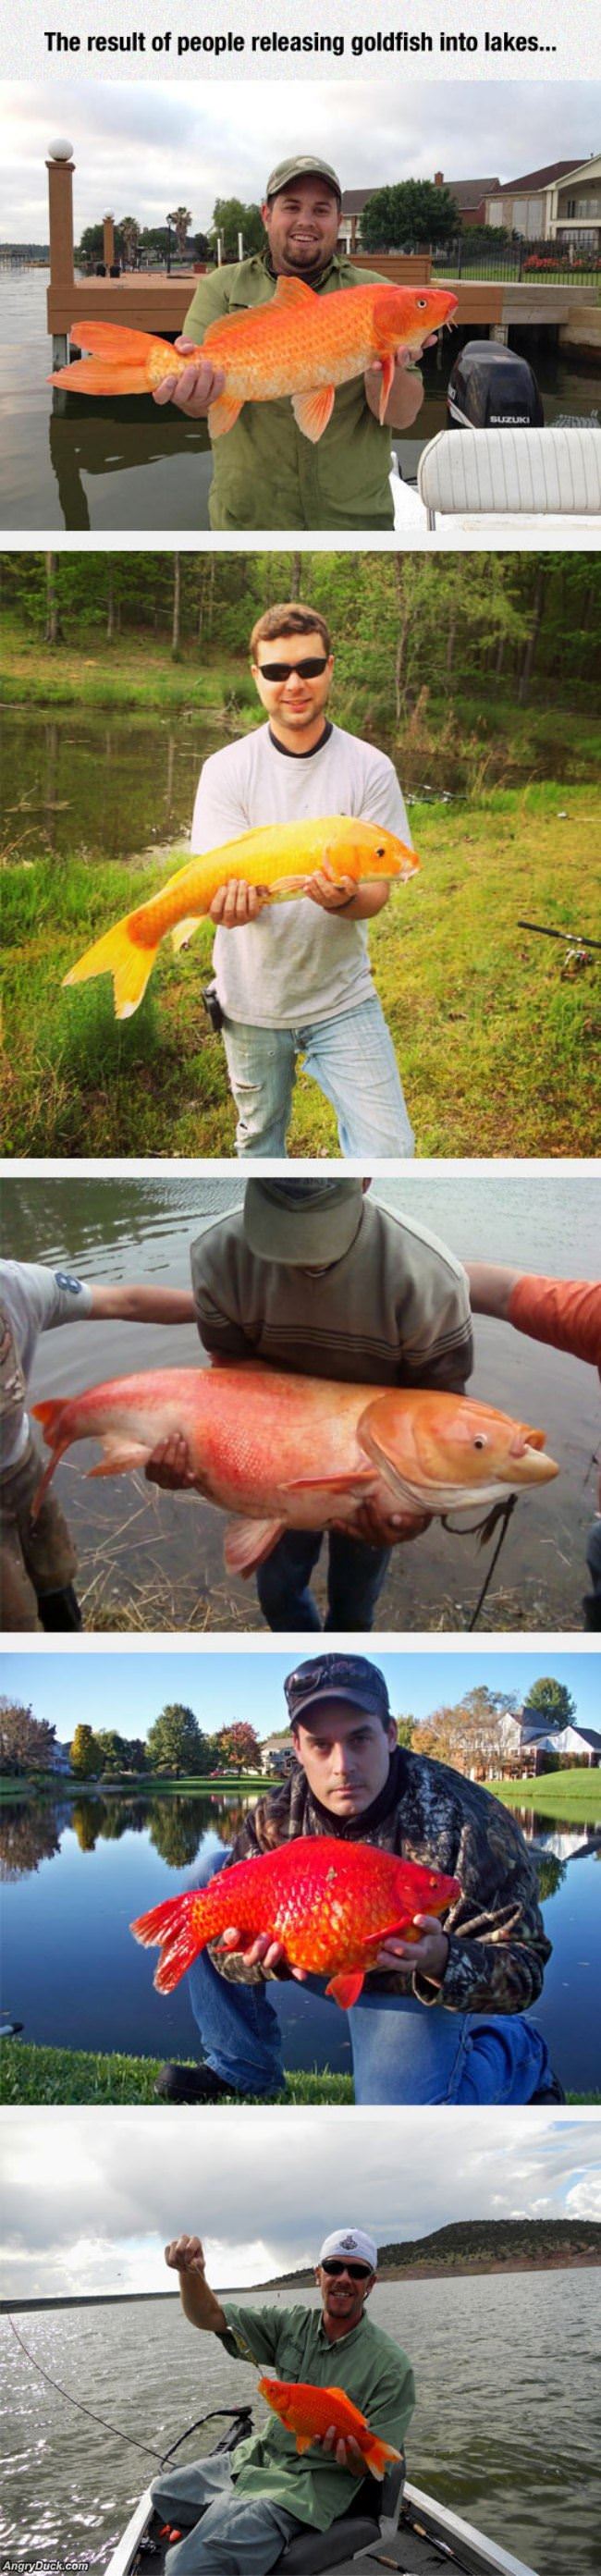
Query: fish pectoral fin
{"x": 354, "y": 1480}
{"x": 222, "y": 415}
{"x": 120, "y": 1452}
{"x": 247, "y": 1543}
{"x": 312, "y": 411}
{"x": 184, "y": 930}
{"x": 387, "y": 366}
{"x": 346, "y": 1989}
{"x": 304, "y": 2440}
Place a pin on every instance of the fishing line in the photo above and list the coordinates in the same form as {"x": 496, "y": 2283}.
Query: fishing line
{"x": 506, "y": 1509}
{"x": 232, "y": 2412}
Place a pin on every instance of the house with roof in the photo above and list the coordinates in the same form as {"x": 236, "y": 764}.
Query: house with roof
{"x": 469, "y": 194}
{"x": 529, "y": 1737}
{"x": 277, "y": 1756}
{"x": 536, "y": 204}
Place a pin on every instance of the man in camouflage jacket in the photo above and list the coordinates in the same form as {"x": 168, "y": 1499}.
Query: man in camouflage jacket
{"x": 440, "y": 2019}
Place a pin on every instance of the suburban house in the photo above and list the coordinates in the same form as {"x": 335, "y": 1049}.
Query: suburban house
{"x": 561, "y": 202}
{"x": 470, "y": 196}
{"x": 276, "y": 1757}
{"x": 529, "y": 1738}
{"x": 59, "y": 1759}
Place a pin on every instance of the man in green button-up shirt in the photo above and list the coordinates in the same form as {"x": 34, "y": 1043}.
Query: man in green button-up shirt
{"x": 265, "y": 473}
{"x": 244, "y": 2505}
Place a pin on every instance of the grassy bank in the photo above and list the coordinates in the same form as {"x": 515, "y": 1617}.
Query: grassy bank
{"x": 573, "y": 1795}
{"x": 493, "y": 1046}
{"x": 133, "y": 1785}
{"x": 134, "y": 671}
{"x": 35, "y": 2075}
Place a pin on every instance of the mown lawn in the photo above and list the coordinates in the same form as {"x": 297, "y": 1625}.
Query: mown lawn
{"x": 573, "y": 1795}
{"x": 32, "y": 2074}
{"x": 495, "y": 1048}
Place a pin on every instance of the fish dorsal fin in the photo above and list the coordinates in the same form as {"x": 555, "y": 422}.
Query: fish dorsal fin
{"x": 292, "y": 290}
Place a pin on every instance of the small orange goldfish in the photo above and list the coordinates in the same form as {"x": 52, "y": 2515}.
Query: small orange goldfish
{"x": 280, "y": 857}
{"x": 300, "y": 343}
{"x": 309, "y": 2413}
{"x": 331, "y": 1904}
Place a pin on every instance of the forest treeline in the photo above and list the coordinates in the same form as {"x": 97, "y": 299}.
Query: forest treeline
{"x": 517, "y": 624}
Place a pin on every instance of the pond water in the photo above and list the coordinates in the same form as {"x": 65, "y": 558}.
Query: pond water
{"x": 71, "y": 466}
{"x": 158, "y": 1558}
{"x": 69, "y": 2487}
{"x": 100, "y": 785}
{"x": 77, "y": 1873}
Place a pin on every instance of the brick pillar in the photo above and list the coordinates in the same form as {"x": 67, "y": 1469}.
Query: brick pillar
{"x": 108, "y": 243}
{"x": 60, "y": 209}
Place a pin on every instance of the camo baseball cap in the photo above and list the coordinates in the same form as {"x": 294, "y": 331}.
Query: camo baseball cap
{"x": 326, "y": 1677}
{"x": 306, "y": 1223}
{"x": 304, "y": 167}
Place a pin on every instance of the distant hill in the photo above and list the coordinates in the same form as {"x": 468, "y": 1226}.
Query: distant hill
{"x": 486, "y": 2241}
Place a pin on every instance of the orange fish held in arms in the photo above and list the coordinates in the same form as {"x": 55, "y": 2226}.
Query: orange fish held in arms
{"x": 309, "y": 2413}
{"x": 331, "y": 1904}
{"x": 279, "y": 857}
{"x": 286, "y": 1452}
{"x": 301, "y": 343}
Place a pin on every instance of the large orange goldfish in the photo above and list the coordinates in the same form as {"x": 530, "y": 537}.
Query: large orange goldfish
{"x": 300, "y": 343}
{"x": 309, "y": 2413}
{"x": 330, "y": 1904}
{"x": 286, "y": 1452}
{"x": 280, "y": 857}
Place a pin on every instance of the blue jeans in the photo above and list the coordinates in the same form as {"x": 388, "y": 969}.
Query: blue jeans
{"x": 592, "y": 1600}
{"x": 356, "y": 1573}
{"x": 352, "y": 1059}
{"x": 402, "y": 2051}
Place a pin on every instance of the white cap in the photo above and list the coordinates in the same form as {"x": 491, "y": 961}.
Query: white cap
{"x": 350, "y": 2241}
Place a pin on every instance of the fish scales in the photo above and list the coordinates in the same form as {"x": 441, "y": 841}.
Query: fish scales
{"x": 309, "y": 2412}
{"x": 329, "y": 1903}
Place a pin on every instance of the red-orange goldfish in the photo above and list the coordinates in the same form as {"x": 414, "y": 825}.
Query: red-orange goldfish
{"x": 309, "y": 2412}
{"x": 331, "y": 1904}
{"x": 300, "y": 343}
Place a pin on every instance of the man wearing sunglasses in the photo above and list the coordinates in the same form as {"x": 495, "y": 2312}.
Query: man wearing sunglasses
{"x": 294, "y": 980}
{"x": 265, "y": 473}
{"x": 235, "y": 2511}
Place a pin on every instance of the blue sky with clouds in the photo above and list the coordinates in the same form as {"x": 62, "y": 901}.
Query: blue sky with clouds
{"x": 127, "y": 1690}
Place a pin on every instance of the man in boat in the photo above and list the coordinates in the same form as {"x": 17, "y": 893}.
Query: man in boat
{"x": 235, "y": 2508}
{"x": 311, "y": 1275}
{"x": 294, "y": 980}
{"x": 38, "y": 1561}
{"x": 265, "y": 473}
{"x": 443, "y": 2019}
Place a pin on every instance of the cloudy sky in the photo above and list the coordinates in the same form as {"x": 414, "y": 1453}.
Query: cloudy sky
{"x": 130, "y": 1689}
{"x": 93, "y": 2204}
{"x": 142, "y": 147}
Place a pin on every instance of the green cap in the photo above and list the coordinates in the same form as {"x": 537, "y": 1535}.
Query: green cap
{"x": 306, "y": 1223}
{"x": 304, "y": 167}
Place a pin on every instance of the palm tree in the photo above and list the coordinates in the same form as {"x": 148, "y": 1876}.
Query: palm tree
{"x": 181, "y": 221}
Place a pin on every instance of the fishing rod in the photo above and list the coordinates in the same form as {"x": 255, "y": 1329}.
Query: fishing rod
{"x": 573, "y": 938}
{"x": 232, "y": 2412}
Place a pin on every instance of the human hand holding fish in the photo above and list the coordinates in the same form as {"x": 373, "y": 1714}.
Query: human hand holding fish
{"x": 406, "y": 393}
{"x": 170, "y": 1465}
{"x": 199, "y": 385}
{"x": 237, "y": 903}
{"x": 429, "y": 1955}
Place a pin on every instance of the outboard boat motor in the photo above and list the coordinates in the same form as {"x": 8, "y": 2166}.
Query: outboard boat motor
{"x": 491, "y": 388}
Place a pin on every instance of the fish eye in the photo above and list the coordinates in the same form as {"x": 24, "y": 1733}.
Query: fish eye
{"x": 480, "y": 1441}
{"x": 381, "y": 854}
{"x": 422, "y": 303}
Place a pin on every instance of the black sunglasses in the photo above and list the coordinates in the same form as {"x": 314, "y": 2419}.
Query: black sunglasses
{"x": 308, "y": 670}
{"x": 356, "y": 2271}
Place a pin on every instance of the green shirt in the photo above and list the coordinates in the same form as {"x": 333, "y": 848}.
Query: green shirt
{"x": 290, "y": 2344}
{"x": 265, "y": 474}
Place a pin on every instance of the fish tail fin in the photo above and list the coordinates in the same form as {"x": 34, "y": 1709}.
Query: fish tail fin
{"x": 173, "y": 1928}
{"x": 118, "y": 954}
{"x": 377, "y": 2454}
{"x": 118, "y": 360}
{"x": 57, "y": 1438}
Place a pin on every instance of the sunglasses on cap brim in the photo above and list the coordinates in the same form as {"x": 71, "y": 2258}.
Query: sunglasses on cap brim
{"x": 356, "y": 2271}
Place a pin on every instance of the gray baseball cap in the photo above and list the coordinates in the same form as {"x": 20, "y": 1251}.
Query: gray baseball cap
{"x": 304, "y": 1223}
{"x": 304, "y": 167}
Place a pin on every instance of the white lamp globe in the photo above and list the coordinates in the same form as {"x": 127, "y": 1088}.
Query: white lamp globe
{"x": 60, "y": 150}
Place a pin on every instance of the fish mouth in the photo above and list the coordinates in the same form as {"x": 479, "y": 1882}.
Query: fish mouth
{"x": 530, "y": 1464}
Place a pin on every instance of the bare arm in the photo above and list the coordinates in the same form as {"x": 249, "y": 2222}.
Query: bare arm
{"x": 490, "y": 1287}
{"x": 135, "y": 1305}
{"x": 185, "y": 2255}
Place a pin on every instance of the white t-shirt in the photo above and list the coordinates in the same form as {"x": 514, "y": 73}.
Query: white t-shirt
{"x": 32, "y": 1299}
{"x": 295, "y": 964}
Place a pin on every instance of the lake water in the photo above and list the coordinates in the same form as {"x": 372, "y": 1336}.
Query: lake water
{"x": 78, "y": 1872}
{"x": 98, "y": 785}
{"x": 71, "y": 466}
{"x": 502, "y": 2428}
{"x": 160, "y": 1554}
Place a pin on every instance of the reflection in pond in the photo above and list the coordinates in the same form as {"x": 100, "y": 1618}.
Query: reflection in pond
{"x": 175, "y": 1826}
{"x": 550, "y": 1872}
{"x": 28, "y": 1835}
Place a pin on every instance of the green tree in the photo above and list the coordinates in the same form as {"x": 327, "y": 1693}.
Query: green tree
{"x": 112, "y": 1749}
{"x": 413, "y": 211}
{"x": 230, "y": 217}
{"x": 176, "y": 1743}
{"x": 553, "y": 1701}
{"x": 85, "y": 1755}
